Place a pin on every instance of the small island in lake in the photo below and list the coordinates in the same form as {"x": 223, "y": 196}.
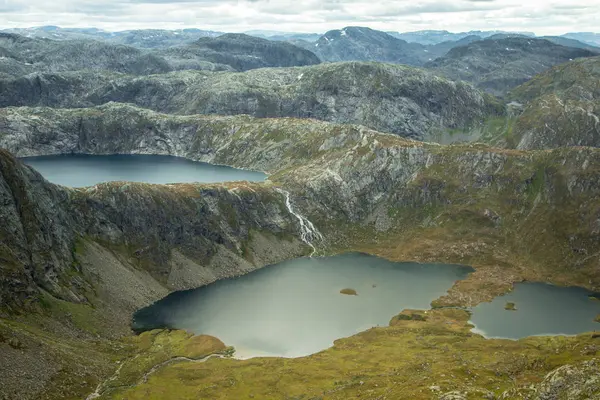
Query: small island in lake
{"x": 349, "y": 292}
{"x": 510, "y": 307}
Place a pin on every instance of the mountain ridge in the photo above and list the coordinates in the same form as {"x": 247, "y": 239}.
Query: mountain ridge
{"x": 22, "y": 56}
{"x": 391, "y": 98}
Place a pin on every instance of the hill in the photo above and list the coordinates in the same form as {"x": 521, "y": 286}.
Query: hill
{"x": 500, "y": 65}
{"x": 562, "y": 107}
{"x": 22, "y": 55}
{"x": 365, "y": 44}
{"x": 238, "y": 52}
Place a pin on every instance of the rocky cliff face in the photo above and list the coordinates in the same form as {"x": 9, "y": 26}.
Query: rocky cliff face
{"x": 500, "y": 65}
{"x": 195, "y": 234}
{"x": 401, "y": 100}
{"x": 36, "y": 236}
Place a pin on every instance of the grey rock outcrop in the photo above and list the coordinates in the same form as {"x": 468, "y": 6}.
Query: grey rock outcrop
{"x": 572, "y": 382}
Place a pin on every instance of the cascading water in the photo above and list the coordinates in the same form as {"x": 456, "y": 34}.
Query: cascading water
{"x": 308, "y": 232}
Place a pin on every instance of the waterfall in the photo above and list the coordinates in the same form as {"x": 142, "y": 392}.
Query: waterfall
{"x": 308, "y": 232}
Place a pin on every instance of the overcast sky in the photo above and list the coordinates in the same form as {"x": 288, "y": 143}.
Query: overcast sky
{"x": 540, "y": 16}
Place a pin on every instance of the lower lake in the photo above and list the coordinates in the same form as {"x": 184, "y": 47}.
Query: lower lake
{"x": 88, "y": 170}
{"x": 539, "y": 309}
{"x": 295, "y": 308}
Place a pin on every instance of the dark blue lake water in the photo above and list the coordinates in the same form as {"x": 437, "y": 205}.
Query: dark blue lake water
{"x": 86, "y": 170}
{"x": 541, "y": 310}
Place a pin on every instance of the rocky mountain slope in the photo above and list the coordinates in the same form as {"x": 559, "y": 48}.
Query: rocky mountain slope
{"x": 500, "y": 65}
{"x": 197, "y": 234}
{"x": 562, "y": 107}
{"x": 401, "y": 100}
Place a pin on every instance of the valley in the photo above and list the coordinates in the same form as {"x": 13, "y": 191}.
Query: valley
{"x": 366, "y": 165}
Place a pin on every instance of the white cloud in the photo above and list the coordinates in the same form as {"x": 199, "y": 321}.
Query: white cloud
{"x": 542, "y": 17}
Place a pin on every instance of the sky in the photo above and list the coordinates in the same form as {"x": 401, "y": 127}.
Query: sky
{"x": 544, "y": 17}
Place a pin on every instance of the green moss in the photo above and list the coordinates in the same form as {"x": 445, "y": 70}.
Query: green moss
{"x": 400, "y": 361}
{"x": 159, "y": 346}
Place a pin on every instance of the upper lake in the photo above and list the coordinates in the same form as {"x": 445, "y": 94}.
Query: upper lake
{"x": 87, "y": 170}
{"x": 295, "y": 308}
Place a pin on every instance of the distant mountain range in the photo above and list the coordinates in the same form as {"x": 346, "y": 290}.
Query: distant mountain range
{"x": 21, "y": 55}
{"x": 586, "y": 37}
{"x": 289, "y": 36}
{"x": 495, "y": 61}
{"x": 432, "y": 37}
{"x": 143, "y": 38}
{"x": 150, "y": 38}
